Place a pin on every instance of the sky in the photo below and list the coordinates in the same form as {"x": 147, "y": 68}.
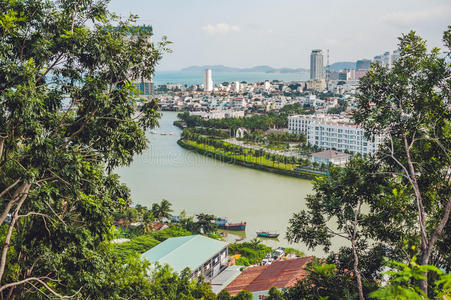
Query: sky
{"x": 282, "y": 33}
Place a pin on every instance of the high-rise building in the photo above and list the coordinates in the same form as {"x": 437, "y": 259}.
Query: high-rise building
{"x": 208, "y": 81}
{"x": 386, "y": 58}
{"x": 316, "y": 65}
{"x": 378, "y": 59}
{"x": 395, "y": 56}
{"x": 363, "y": 64}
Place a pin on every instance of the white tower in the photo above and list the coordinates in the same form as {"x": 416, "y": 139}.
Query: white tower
{"x": 208, "y": 81}
{"x": 316, "y": 64}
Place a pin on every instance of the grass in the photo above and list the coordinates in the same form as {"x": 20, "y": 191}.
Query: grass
{"x": 261, "y": 160}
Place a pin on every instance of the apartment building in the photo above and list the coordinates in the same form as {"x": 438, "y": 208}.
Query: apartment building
{"x": 333, "y": 132}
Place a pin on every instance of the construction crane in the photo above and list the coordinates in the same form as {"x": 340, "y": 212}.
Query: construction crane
{"x": 327, "y": 71}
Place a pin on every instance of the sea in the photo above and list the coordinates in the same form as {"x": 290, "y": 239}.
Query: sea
{"x": 195, "y": 78}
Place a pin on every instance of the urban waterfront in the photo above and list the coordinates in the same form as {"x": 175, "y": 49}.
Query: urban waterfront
{"x": 194, "y": 78}
{"x": 198, "y": 184}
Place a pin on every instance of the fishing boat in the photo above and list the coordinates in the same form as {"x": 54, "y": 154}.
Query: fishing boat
{"x": 221, "y": 222}
{"x": 171, "y": 133}
{"x": 235, "y": 226}
{"x": 163, "y": 133}
{"x": 265, "y": 234}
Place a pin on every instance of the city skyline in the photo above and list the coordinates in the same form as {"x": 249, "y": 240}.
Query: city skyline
{"x": 252, "y": 33}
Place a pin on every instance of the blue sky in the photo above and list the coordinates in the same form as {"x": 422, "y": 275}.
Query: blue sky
{"x": 281, "y": 33}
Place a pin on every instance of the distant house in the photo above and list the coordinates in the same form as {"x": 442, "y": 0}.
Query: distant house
{"x": 159, "y": 226}
{"x": 202, "y": 255}
{"x": 280, "y": 274}
{"x": 331, "y": 156}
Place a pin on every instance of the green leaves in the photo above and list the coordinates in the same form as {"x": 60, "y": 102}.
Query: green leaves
{"x": 404, "y": 280}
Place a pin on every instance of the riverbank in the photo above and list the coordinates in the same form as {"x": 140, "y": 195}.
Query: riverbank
{"x": 237, "y": 160}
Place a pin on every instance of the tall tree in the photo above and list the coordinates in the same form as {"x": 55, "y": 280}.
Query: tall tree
{"x": 344, "y": 198}
{"x": 408, "y": 105}
{"x": 67, "y": 119}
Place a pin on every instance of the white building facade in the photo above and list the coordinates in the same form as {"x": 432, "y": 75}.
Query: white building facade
{"x": 208, "y": 80}
{"x": 333, "y": 132}
{"x": 316, "y": 65}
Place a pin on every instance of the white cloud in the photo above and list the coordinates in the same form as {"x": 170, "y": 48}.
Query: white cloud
{"x": 410, "y": 18}
{"x": 221, "y": 28}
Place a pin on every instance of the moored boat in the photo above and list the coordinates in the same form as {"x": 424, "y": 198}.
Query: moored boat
{"x": 221, "y": 222}
{"x": 265, "y": 234}
{"x": 234, "y": 226}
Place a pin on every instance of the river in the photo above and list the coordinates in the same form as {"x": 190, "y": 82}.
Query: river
{"x": 198, "y": 184}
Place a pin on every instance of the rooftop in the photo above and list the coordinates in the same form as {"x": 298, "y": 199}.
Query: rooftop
{"x": 280, "y": 274}
{"x": 186, "y": 251}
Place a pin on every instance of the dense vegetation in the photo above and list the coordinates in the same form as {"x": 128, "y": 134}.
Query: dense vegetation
{"x": 251, "y": 252}
{"x": 394, "y": 206}
{"x": 235, "y": 152}
{"x": 67, "y": 120}
{"x": 262, "y": 122}
{"x": 140, "y": 244}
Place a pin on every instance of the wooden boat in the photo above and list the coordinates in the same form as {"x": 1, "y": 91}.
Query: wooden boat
{"x": 221, "y": 222}
{"x": 265, "y": 234}
{"x": 235, "y": 226}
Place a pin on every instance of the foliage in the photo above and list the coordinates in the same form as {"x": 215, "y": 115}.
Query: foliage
{"x": 295, "y": 251}
{"x": 168, "y": 285}
{"x": 408, "y": 105}
{"x": 252, "y": 123}
{"x": 252, "y": 252}
{"x": 140, "y": 244}
{"x": 274, "y": 294}
{"x": 243, "y": 295}
{"x": 403, "y": 282}
{"x": 161, "y": 210}
{"x": 67, "y": 120}
{"x": 405, "y": 189}
{"x": 323, "y": 282}
{"x": 224, "y": 295}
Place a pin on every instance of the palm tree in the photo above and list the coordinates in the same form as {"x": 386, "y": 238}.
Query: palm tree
{"x": 148, "y": 220}
{"x": 164, "y": 210}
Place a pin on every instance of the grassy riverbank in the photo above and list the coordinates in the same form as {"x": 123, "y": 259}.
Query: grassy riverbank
{"x": 246, "y": 159}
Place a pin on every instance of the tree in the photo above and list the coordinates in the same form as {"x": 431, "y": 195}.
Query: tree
{"x": 407, "y": 106}
{"x": 323, "y": 282}
{"x": 339, "y": 197}
{"x": 67, "y": 120}
{"x": 205, "y": 223}
{"x": 243, "y": 295}
{"x": 274, "y": 294}
{"x": 162, "y": 210}
{"x": 224, "y": 295}
{"x": 402, "y": 282}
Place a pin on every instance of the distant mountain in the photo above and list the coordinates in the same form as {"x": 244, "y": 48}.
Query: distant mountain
{"x": 257, "y": 69}
{"x": 342, "y": 65}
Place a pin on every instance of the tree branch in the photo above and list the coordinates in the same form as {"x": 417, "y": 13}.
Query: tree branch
{"x": 41, "y": 281}
{"x": 17, "y": 194}
{"x": 10, "y": 229}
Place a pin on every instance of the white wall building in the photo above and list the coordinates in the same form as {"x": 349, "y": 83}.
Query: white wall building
{"x": 236, "y": 86}
{"x": 316, "y": 65}
{"x": 208, "y": 80}
{"x": 333, "y": 132}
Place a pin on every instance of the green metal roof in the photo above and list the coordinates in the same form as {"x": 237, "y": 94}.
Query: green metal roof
{"x": 186, "y": 251}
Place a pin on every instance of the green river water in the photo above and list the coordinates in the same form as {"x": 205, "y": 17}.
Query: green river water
{"x": 196, "y": 184}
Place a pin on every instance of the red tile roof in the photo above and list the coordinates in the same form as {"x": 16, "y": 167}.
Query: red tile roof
{"x": 280, "y": 274}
